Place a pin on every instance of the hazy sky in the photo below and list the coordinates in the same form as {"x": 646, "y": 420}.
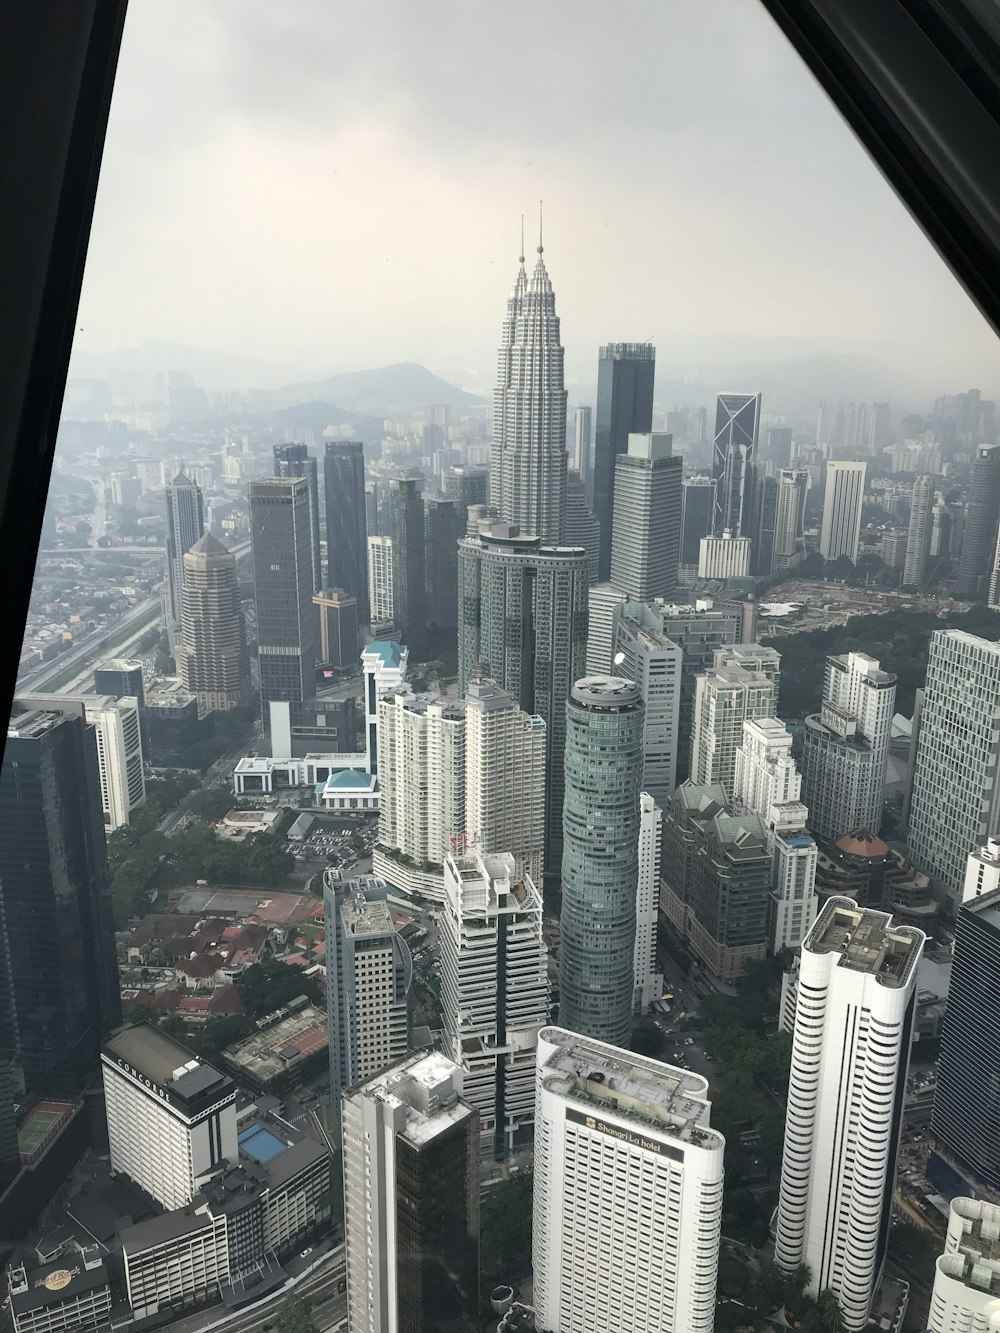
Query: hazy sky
{"x": 335, "y": 186}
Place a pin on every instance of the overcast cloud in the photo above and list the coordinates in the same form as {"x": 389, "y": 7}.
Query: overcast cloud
{"x": 339, "y": 185}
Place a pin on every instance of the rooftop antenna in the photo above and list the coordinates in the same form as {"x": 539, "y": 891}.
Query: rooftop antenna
{"x": 540, "y": 246}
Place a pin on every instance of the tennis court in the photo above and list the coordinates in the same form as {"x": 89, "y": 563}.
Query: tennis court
{"x": 40, "y": 1122}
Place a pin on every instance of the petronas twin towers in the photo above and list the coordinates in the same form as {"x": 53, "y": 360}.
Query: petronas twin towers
{"x": 528, "y": 462}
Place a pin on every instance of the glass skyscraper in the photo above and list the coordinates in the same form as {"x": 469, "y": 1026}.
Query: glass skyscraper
{"x": 523, "y": 621}
{"x": 737, "y": 421}
{"x": 185, "y": 524}
{"x": 346, "y": 521}
{"x": 967, "y": 1098}
{"x": 625, "y": 374}
{"x": 600, "y": 865}
{"x": 58, "y": 976}
{"x": 294, "y": 460}
{"x": 955, "y": 805}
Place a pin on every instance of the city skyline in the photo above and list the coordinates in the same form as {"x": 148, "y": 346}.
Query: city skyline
{"x": 829, "y": 261}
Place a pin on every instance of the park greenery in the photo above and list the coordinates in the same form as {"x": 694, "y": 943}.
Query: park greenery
{"x": 899, "y": 640}
{"x": 142, "y": 860}
{"x": 270, "y": 984}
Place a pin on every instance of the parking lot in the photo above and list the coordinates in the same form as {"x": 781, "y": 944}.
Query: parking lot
{"x": 345, "y": 845}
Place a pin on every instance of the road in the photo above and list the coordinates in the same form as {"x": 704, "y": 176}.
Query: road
{"x": 100, "y": 643}
{"x": 319, "y": 1287}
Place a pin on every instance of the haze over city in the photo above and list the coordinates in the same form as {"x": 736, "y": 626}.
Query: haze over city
{"x": 331, "y": 196}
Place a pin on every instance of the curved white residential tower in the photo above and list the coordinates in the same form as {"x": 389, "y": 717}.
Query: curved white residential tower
{"x": 850, "y": 1047}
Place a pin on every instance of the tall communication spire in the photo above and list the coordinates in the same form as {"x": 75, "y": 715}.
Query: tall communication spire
{"x": 528, "y": 461}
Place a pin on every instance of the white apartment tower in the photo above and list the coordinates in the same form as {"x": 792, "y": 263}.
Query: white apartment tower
{"x": 368, "y": 974}
{"x": 411, "y": 1198}
{"x": 768, "y": 784}
{"x": 171, "y": 1117}
{"x": 982, "y": 871}
{"x": 380, "y": 580}
{"x": 458, "y": 774}
{"x": 850, "y": 1049}
{"x": 603, "y": 599}
{"x": 725, "y": 698}
{"x": 494, "y": 991}
{"x": 504, "y": 778}
{"x": 847, "y": 746}
{"x": 422, "y": 772}
{"x": 842, "y": 504}
{"x": 528, "y": 457}
{"x": 643, "y": 654}
{"x": 627, "y": 1192}
{"x": 648, "y": 982}
{"x": 966, "y": 1294}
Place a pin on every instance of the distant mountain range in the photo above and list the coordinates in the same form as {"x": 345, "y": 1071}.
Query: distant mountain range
{"x": 406, "y": 387}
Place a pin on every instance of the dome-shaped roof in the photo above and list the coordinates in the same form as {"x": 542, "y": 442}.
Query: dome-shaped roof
{"x": 863, "y": 843}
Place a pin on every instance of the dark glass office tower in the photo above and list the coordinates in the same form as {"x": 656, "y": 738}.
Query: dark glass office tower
{"x": 294, "y": 460}
{"x": 58, "y": 975}
{"x": 982, "y": 510}
{"x": 698, "y": 517}
{"x": 444, "y": 523}
{"x": 967, "y": 1098}
{"x": 737, "y": 420}
{"x": 600, "y": 865}
{"x": 764, "y": 519}
{"x": 185, "y": 525}
{"x": 346, "y": 522}
{"x": 779, "y": 446}
{"x": 466, "y": 486}
{"x": 409, "y": 558}
{"x": 121, "y": 677}
{"x": 287, "y": 624}
{"x": 625, "y": 373}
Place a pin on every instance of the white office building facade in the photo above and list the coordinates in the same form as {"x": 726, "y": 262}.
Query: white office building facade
{"x": 380, "y": 580}
{"x": 171, "y": 1117}
{"x": 725, "y": 698}
{"x": 854, "y": 1007}
{"x": 724, "y": 557}
{"x": 627, "y": 1192}
{"x": 648, "y": 982}
{"x": 644, "y": 654}
{"x": 845, "y": 494}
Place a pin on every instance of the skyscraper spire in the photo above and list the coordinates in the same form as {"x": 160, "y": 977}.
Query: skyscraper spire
{"x": 540, "y": 246}
{"x": 522, "y": 239}
{"x": 528, "y": 462}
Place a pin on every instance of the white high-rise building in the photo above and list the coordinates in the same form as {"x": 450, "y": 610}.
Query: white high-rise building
{"x": 724, "y": 557}
{"x": 850, "y": 1050}
{"x": 725, "y": 698}
{"x": 380, "y": 580}
{"x": 171, "y": 1117}
{"x": 602, "y": 601}
{"x": 648, "y": 982}
{"x": 768, "y": 784}
{"x": 494, "y": 991}
{"x": 504, "y": 778}
{"x": 422, "y": 772}
{"x": 383, "y": 664}
{"x": 982, "y": 871}
{"x": 842, "y": 504}
{"x": 528, "y": 458}
{"x": 368, "y": 973}
{"x": 966, "y": 1294}
{"x": 627, "y": 1192}
{"x": 918, "y": 534}
{"x": 411, "y": 1198}
{"x": 789, "y": 519}
{"x": 455, "y": 774}
{"x": 847, "y": 746}
{"x": 643, "y": 654}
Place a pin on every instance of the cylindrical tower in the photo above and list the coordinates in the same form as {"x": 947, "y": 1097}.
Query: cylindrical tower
{"x": 603, "y": 773}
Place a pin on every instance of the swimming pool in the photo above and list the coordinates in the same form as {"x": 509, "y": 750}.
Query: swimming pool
{"x": 260, "y": 1144}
